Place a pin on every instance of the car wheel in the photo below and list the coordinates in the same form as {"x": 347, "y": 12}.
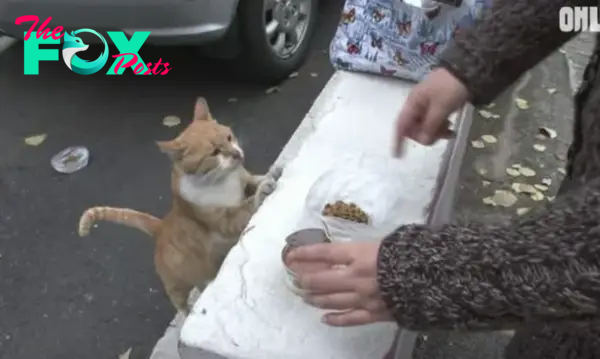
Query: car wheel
{"x": 274, "y": 37}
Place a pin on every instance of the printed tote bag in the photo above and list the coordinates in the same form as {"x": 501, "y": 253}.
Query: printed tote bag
{"x": 393, "y": 38}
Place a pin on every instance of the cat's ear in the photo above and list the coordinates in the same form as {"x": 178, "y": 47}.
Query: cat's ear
{"x": 201, "y": 110}
{"x": 173, "y": 149}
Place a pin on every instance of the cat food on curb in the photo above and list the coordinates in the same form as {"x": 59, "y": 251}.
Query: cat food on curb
{"x": 70, "y": 160}
{"x": 302, "y": 238}
{"x": 347, "y": 211}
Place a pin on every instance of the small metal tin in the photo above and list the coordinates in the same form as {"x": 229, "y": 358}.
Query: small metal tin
{"x": 70, "y": 160}
{"x": 302, "y": 237}
{"x": 307, "y": 236}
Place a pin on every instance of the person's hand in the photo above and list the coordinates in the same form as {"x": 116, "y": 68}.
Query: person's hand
{"x": 346, "y": 281}
{"x": 424, "y": 117}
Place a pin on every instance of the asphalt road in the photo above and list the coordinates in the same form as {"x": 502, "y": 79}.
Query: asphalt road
{"x": 62, "y": 296}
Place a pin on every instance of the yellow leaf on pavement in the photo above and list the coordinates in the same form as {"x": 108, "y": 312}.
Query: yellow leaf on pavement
{"x": 35, "y": 140}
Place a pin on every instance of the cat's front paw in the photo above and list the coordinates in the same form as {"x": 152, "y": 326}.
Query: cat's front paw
{"x": 264, "y": 189}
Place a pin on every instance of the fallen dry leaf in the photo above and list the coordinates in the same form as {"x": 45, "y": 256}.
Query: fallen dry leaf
{"x": 547, "y": 181}
{"x": 272, "y": 90}
{"x": 516, "y": 187}
{"x": 561, "y": 156}
{"x": 562, "y": 171}
{"x": 547, "y": 132}
{"x": 523, "y": 210}
{"x": 489, "y": 139}
{"x": 489, "y": 201}
{"x": 477, "y": 144}
{"x": 486, "y": 183}
{"x": 504, "y": 198}
{"x": 487, "y": 114}
{"x": 526, "y": 171}
{"x": 482, "y": 171}
{"x": 551, "y": 90}
{"x": 523, "y": 188}
{"x": 539, "y": 147}
{"x": 517, "y": 165}
{"x": 490, "y": 105}
{"x": 35, "y": 140}
{"x": 171, "y": 121}
{"x": 293, "y": 75}
{"x": 314, "y": 74}
{"x": 537, "y": 196}
{"x": 550, "y": 198}
{"x": 541, "y": 187}
{"x": 513, "y": 172}
{"x": 521, "y": 103}
{"x": 126, "y": 354}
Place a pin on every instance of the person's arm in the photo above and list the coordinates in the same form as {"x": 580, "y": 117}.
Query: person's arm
{"x": 512, "y": 38}
{"x": 489, "y": 277}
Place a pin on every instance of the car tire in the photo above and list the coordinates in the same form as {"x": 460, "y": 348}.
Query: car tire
{"x": 257, "y": 59}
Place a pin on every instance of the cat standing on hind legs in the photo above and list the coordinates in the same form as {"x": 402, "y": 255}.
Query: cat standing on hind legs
{"x": 214, "y": 197}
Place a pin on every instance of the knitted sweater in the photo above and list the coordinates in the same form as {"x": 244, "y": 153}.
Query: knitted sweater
{"x": 482, "y": 276}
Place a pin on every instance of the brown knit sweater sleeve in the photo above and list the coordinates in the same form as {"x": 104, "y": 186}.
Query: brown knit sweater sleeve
{"x": 481, "y": 276}
{"x": 513, "y": 37}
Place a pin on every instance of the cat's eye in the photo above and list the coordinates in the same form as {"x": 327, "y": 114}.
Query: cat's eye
{"x": 216, "y": 152}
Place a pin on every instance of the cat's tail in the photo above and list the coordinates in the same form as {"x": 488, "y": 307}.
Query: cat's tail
{"x": 128, "y": 217}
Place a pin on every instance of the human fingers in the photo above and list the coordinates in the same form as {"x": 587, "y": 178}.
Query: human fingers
{"x": 335, "y": 301}
{"x": 409, "y": 118}
{"x": 332, "y": 253}
{"x": 435, "y": 124}
{"x": 355, "y": 317}
{"x": 404, "y": 124}
{"x": 362, "y": 296}
{"x": 307, "y": 267}
{"x": 326, "y": 282}
{"x": 446, "y": 133}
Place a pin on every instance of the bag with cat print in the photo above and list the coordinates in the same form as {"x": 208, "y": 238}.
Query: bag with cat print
{"x": 393, "y": 38}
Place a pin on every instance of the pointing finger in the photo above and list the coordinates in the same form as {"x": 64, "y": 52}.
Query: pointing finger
{"x": 409, "y": 118}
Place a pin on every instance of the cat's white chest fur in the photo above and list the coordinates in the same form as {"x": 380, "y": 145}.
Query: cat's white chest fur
{"x": 226, "y": 193}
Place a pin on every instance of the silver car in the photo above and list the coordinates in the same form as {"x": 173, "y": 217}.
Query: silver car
{"x": 268, "y": 39}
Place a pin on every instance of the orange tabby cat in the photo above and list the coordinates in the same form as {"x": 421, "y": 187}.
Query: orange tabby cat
{"x": 213, "y": 199}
